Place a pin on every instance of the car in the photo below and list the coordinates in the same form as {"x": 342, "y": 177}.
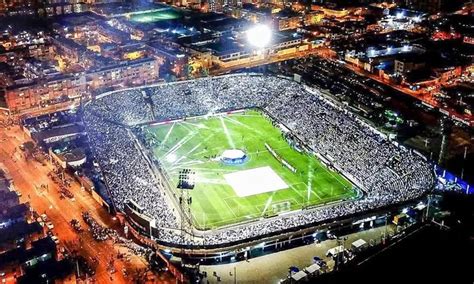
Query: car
{"x": 44, "y": 217}
{"x": 55, "y": 239}
{"x": 50, "y": 225}
{"x": 40, "y": 221}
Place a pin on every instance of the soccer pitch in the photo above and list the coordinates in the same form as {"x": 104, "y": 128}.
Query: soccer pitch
{"x": 154, "y": 15}
{"x": 261, "y": 186}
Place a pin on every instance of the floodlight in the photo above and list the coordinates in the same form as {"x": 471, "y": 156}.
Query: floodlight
{"x": 259, "y": 35}
{"x": 186, "y": 179}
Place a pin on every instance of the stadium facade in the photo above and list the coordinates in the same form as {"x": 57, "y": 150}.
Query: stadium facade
{"x": 387, "y": 174}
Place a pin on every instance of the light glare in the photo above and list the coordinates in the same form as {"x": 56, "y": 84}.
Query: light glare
{"x": 259, "y": 36}
{"x": 171, "y": 158}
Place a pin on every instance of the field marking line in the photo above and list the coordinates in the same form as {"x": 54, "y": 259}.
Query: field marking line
{"x": 185, "y": 125}
{"x": 235, "y": 121}
{"x": 186, "y": 164}
{"x": 247, "y": 115}
{"x": 178, "y": 160}
{"x": 187, "y": 154}
{"x": 255, "y": 206}
{"x": 300, "y": 205}
{"x": 269, "y": 201}
{"x": 327, "y": 170}
{"x": 201, "y": 152}
{"x": 310, "y": 180}
{"x": 293, "y": 202}
{"x": 315, "y": 193}
{"x": 290, "y": 199}
{"x": 292, "y": 186}
{"x": 233, "y": 213}
{"x": 196, "y": 221}
{"x": 180, "y": 143}
{"x": 212, "y": 170}
{"x": 168, "y": 134}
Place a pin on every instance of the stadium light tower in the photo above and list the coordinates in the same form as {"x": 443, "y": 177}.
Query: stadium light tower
{"x": 187, "y": 179}
{"x": 259, "y": 36}
{"x": 186, "y": 183}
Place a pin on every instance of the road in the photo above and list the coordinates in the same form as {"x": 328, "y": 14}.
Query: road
{"x": 28, "y": 176}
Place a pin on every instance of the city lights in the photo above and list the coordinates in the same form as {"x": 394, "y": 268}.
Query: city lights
{"x": 214, "y": 141}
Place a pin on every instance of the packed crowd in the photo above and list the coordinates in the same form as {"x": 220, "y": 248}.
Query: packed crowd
{"x": 387, "y": 173}
{"x": 99, "y": 232}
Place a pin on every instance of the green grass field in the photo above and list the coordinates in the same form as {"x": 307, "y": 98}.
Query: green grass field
{"x": 195, "y": 142}
{"x": 156, "y": 15}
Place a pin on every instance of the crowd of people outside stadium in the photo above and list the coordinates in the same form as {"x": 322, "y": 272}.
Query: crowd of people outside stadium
{"x": 99, "y": 232}
{"x": 387, "y": 173}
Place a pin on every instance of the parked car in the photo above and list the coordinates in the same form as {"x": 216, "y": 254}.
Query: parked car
{"x": 44, "y": 217}
{"x": 55, "y": 239}
{"x": 50, "y": 225}
{"x": 40, "y": 221}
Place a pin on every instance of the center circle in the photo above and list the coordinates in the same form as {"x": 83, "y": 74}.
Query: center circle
{"x": 233, "y": 157}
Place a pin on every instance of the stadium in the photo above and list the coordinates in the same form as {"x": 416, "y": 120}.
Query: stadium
{"x": 155, "y": 15}
{"x": 223, "y": 163}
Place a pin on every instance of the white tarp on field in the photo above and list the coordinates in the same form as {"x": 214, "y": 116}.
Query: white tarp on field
{"x": 255, "y": 181}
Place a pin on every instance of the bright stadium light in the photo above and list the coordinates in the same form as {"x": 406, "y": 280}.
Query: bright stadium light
{"x": 259, "y": 35}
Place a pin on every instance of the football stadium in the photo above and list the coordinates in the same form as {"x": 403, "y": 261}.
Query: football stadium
{"x": 229, "y": 162}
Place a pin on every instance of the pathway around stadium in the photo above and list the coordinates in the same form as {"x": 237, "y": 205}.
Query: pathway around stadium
{"x": 274, "y": 267}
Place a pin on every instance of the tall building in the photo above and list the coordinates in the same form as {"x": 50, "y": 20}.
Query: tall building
{"x": 194, "y": 4}
{"x": 216, "y": 5}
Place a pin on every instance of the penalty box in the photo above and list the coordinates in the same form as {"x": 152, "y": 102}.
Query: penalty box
{"x": 255, "y": 181}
